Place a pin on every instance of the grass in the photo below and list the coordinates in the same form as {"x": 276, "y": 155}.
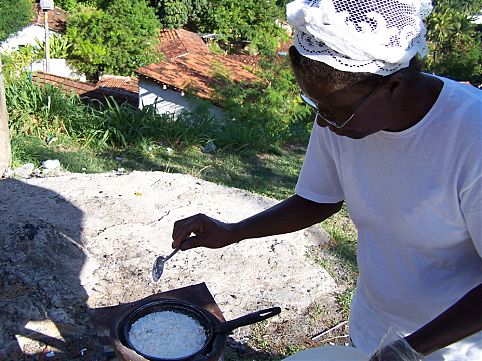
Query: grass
{"x": 272, "y": 175}
{"x": 344, "y": 300}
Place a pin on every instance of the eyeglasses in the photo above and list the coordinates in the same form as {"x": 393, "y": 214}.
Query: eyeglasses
{"x": 329, "y": 118}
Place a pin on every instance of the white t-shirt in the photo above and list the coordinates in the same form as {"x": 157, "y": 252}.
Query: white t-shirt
{"x": 415, "y": 197}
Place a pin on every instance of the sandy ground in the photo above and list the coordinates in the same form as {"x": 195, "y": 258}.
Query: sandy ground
{"x": 75, "y": 242}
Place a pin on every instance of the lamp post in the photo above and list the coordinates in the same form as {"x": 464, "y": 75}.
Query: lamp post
{"x": 47, "y": 5}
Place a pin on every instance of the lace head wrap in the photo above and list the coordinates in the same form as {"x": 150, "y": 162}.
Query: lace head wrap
{"x": 374, "y": 36}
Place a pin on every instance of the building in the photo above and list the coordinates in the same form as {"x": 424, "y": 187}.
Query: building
{"x": 188, "y": 68}
{"x": 121, "y": 89}
{"x": 36, "y": 31}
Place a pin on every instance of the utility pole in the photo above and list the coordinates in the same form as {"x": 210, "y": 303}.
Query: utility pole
{"x": 47, "y": 47}
{"x": 5, "y": 150}
{"x": 47, "y": 5}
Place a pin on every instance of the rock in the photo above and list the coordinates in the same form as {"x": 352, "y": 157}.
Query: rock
{"x": 51, "y": 164}
{"x": 24, "y": 171}
{"x": 80, "y": 241}
{"x": 209, "y": 148}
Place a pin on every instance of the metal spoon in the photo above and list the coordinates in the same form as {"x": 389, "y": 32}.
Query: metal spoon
{"x": 158, "y": 266}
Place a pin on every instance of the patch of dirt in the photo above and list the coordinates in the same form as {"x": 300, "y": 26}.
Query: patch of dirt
{"x": 322, "y": 323}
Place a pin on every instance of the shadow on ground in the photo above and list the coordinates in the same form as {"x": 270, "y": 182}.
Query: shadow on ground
{"x": 42, "y": 300}
{"x": 237, "y": 351}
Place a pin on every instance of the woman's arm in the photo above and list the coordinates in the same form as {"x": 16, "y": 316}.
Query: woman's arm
{"x": 461, "y": 320}
{"x": 290, "y": 215}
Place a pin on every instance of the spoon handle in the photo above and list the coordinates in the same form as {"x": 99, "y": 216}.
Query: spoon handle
{"x": 173, "y": 253}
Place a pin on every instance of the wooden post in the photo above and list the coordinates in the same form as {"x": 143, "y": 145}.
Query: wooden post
{"x": 5, "y": 150}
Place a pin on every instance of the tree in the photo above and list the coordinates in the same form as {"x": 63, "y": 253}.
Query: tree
{"x": 58, "y": 47}
{"x": 5, "y": 150}
{"x": 251, "y": 21}
{"x": 15, "y": 14}
{"x": 235, "y": 22}
{"x": 116, "y": 40}
{"x": 71, "y": 5}
{"x": 454, "y": 42}
{"x": 174, "y": 14}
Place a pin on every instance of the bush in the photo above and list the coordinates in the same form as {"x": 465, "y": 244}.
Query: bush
{"x": 250, "y": 22}
{"x": 16, "y": 62}
{"x": 16, "y": 14}
{"x": 59, "y": 47}
{"x": 266, "y": 114}
{"x": 173, "y": 14}
{"x": 71, "y": 5}
{"x": 43, "y": 112}
{"x": 260, "y": 117}
{"x": 117, "y": 40}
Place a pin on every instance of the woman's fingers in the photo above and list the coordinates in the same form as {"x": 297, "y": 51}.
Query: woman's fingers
{"x": 191, "y": 242}
{"x": 200, "y": 231}
{"x": 183, "y": 228}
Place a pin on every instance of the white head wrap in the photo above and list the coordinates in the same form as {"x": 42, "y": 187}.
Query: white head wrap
{"x": 374, "y": 36}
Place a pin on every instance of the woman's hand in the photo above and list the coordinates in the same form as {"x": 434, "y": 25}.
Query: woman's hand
{"x": 202, "y": 231}
{"x": 399, "y": 350}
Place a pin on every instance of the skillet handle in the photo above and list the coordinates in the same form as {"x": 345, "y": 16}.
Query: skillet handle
{"x": 250, "y": 318}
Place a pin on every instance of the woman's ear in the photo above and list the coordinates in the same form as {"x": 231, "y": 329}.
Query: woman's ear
{"x": 394, "y": 84}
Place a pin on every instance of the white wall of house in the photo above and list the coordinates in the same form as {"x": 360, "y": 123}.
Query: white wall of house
{"x": 26, "y": 36}
{"x": 478, "y": 19}
{"x": 58, "y": 67}
{"x": 166, "y": 100}
{"x": 29, "y": 36}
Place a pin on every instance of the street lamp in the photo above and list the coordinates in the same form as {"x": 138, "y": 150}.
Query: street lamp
{"x": 47, "y": 5}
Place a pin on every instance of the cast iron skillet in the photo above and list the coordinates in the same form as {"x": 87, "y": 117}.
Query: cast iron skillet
{"x": 211, "y": 324}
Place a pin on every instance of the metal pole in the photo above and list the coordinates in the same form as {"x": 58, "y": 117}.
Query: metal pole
{"x": 47, "y": 50}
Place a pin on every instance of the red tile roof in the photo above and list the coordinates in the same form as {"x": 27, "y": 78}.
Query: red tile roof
{"x": 123, "y": 83}
{"x": 57, "y": 18}
{"x": 120, "y": 92}
{"x": 178, "y": 42}
{"x": 189, "y": 65}
{"x": 252, "y": 60}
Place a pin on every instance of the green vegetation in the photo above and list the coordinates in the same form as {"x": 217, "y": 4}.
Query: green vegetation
{"x": 455, "y": 41}
{"x": 15, "y": 62}
{"x": 59, "y": 47}
{"x": 264, "y": 114}
{"x": 344, "y": 300}
{"x": 249, "y": 23}
{"x": 263, "y": 161}
{"x": 249, "y": 26}
{"x": 71, "y": 5}
{"x": 176, "y": 13}
{"x": 116, "y": 40}
{"x": 15, "y": 15}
